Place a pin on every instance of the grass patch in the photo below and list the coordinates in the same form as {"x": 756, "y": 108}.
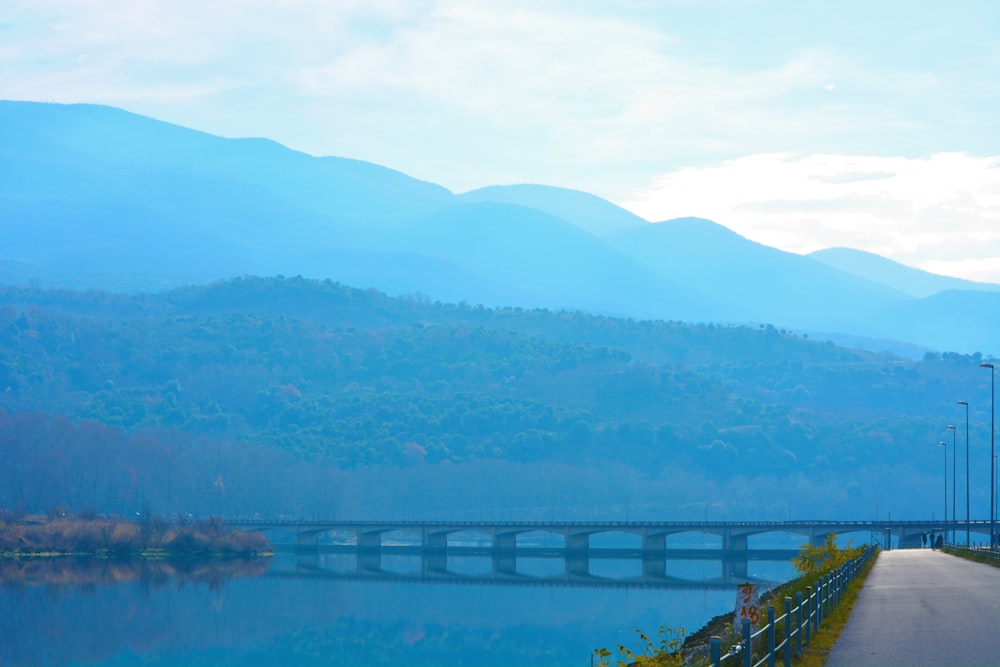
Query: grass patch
{"x": 833, "y": 624}
{"x": 674, "y": 649}
{"x": 976, "y": 555}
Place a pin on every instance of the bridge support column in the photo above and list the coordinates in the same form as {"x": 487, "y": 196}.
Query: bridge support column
{"x": 505, "y": 564}
{"x": 654, "y": 566}
{"x": 908, "y": 540}
{"x": 731, "y": 542}
{"x": 372, "y": 540}
{"x": 654, "y": 542}
{"x": 370, "y": 561}
{"x": 435, "y": 562}
{"x": 734, "y": 569}
{"x": 307, "y": 561}
{"x": 577, "y": 565}
{"x": 505, "y": 541}
{"x": 306, "y": 541}
{"x": 579, "y": 542}
{"x": 818, "y": 539}
{"x": 436, "y": 540}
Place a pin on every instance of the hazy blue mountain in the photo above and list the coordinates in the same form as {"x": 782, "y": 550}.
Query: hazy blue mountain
{"x": 19, "y": 273}
{"x": 756, "y": 281}
{"x": 96, "y": 196}
{"x": 909, "y": 280}
{"x": 77, "y": 147}
{"x": 966, "y": 320}
{"x": 90, "y": 187}
{"x": 588, "y": 212}
{"x": 97, "y": 188}
{"x": 564, "y": 265}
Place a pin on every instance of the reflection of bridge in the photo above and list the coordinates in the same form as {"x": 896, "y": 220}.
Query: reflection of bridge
{"x": 354, "y": 564}
{"x": 503, "y": 535}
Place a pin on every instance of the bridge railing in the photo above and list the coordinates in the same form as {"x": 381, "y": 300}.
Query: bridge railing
{"x": 797, "y": 625}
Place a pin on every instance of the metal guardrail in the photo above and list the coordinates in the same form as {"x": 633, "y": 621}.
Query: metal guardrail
{"x": 858, "y": 525}
{"x": 799, "y": 622}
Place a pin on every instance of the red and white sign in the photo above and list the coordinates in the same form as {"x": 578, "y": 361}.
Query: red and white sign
{"x": 747, "y": 606}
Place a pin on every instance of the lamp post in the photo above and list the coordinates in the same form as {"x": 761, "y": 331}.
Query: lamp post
{"x": 993, "y": 518}
{"x": 944, "y": 444}
{"x": 966, "y": 404}
{"x": 954, "y": 505}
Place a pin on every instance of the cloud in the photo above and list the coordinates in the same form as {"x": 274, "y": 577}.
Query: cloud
{"x": 470, "y": 93}
{"x": 583, "y": 94}
{"x": 940, "y": 213}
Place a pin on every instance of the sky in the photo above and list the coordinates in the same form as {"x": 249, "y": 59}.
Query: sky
{"x": 801, "y": 124}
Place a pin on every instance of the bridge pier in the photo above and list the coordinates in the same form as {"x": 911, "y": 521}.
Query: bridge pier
{"x": 306, "y": 540}
{"x": 654, "y": 566}
{"x": 505, "y": 541}
{"x": 505, "y": 565}
{"x": 733, "y": 542}
{"x": 435, "y": 562}
{"x": 370, "y": 561}
{"x": 369, "y": 539}
{"x": 577, "y": 566}
{"x": 579, "y": 542}
{"x": 911, "y": 540}
{"x": 735, "y": 568}
{"x": 655, "y": 542}
{"x": 306, "y": 560}
{"x": 435, "y": 540}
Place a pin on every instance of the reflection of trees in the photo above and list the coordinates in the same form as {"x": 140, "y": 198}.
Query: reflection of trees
{"x": 78, "y": 571}
{"x": 150, "y": 536}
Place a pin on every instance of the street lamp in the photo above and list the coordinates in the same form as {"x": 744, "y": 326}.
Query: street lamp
{"x": 966, "y": 404}
{"x": 993, "y": 518}
{"x": 945, "y": 445}
{"x": 954, "y": 448}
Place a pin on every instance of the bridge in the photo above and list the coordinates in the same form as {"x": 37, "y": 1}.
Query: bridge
{"x": 502, "y": 536}
{"x": 350, "y": 564}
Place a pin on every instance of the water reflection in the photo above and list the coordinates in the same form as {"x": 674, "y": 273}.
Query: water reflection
{"x": 326, "y": 608}
{"x": 76, "y": 571}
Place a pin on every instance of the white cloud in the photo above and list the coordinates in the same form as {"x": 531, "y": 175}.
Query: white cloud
{"x": 588, "y": 95}
{"x": 469, "y": 93}
{"x": 940, "y": 213}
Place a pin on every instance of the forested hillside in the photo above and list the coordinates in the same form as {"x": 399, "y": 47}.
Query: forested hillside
{"x": 286, "y": 375}
{"x": 95, "y": 196}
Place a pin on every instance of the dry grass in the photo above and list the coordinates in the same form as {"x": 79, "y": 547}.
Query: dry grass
{"x": 976, "y": 555}
{"x": 824, "y": 639}
{"x": 28, "y": 535}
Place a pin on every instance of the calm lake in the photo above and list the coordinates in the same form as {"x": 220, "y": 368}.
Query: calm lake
{"x": 335, "y": 607}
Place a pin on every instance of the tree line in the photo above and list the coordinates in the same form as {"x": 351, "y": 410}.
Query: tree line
{"x": 284, "y": 372}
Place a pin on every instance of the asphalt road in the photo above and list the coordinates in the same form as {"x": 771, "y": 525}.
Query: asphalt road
{"x": 922, "y": 607}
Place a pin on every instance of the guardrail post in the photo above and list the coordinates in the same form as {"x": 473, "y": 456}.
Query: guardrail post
{"x": 715, "y": 651}
{"x": 831, "y": 594}
{"x": 798, "y": 624}
{"x": 747, "y": 643}
{"x": 809, "y": 614}
{"x": 788, "y": 632}
{"x": 816, "y": 611}
{"x": 820, "y": 592}
{"x": 770, "y": 635}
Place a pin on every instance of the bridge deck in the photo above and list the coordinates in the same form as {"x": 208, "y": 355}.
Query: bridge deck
{"x": 653, "y": 534}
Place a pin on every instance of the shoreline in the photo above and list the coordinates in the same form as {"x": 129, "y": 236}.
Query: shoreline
{"x": 151, "y": 538}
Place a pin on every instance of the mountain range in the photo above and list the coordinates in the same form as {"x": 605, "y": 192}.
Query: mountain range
{"x": 97, "y": 197}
